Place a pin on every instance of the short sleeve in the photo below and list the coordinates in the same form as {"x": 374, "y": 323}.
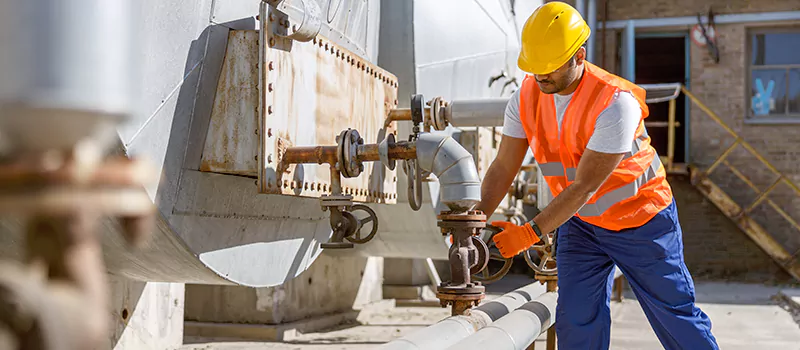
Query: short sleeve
{"x": 512, "y": 126}
{"x": 616, "y": 126}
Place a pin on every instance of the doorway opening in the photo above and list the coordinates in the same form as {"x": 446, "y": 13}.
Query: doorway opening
{"x": 664, "y": 58}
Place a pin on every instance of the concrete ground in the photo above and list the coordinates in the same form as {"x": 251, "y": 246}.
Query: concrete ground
{"x": 744, "y": 316}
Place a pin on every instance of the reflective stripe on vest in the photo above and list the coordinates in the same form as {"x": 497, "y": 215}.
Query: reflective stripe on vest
{"x": 615, "y": 196}
{"x": 557, "y": 169}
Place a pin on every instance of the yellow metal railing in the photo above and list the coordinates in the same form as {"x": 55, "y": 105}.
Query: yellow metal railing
{"x": 762, "y": 195}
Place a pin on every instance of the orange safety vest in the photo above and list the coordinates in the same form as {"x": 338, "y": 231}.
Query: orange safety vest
{"x": 635, "y": 191}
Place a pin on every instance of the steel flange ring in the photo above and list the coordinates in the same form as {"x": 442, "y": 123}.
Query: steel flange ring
{"x": 348, "y": 163}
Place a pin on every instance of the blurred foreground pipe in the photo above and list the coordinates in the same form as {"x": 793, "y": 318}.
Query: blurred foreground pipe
{"x": 453, "y": 329}
{"x": 517, "y": 330}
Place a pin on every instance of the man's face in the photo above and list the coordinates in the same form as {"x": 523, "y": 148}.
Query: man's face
{"x": 562, "y": 77}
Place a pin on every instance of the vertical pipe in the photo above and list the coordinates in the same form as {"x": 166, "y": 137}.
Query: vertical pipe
{"x": 630, "y": 51}
{"x": 580, "y": 5}
{"x": 603, "y": 45}
{"x": 591, "y": 15}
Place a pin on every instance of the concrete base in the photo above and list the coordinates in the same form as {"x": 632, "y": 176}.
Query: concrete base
{"x": 145, "y": 315}
{"x": 198, "y": 332}
{"x": 424, "y": 292}
{"x": 743, "y": 317}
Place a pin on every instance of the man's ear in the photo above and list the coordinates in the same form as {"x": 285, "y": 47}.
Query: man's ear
{"x": 580, "y": 56}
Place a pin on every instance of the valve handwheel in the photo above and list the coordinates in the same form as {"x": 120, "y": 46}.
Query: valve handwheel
{"x": 544, "y": 263}
{"x": 371, "y": 217}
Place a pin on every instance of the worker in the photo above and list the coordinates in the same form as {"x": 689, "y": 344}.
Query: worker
{"x": 611, "y": 203}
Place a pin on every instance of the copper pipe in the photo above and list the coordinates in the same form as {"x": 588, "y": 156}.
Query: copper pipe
{"x": 364, "y": 153}
{"x": 403, "y": 114}
{"x": 310, "y": 154}
{"x": 336, "y": 181}
{"x": 400, "y": 150}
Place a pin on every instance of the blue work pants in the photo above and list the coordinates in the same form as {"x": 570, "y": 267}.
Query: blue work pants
{"x": 651, "y": 258}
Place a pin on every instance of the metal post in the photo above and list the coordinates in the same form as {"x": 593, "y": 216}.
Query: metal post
{"x": 552, "y": 285}
{"x": 671, "y": 135}
{"x": 591, "y": 18}
{"x": 580, "y": 5}
{"x": 630, "y": 51}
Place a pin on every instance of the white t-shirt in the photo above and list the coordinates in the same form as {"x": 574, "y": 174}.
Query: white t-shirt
{"x": 614, "y": 129}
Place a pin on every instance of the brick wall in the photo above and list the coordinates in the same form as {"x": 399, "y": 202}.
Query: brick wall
{"x": 715, "y": 248}
{"x": 631, "y": 9}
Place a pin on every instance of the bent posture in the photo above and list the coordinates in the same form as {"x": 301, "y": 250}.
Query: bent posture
{"x": 612, "y": 204}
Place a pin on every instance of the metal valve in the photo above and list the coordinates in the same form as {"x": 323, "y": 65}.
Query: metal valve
{"x": 346, "y": 224}
{"x": 541, "y": 257}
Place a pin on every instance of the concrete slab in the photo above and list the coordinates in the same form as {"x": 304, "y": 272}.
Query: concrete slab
{"x": 744, "y": 316}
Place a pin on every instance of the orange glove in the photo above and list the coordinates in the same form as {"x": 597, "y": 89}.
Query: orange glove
{"x": 514, "y": 239}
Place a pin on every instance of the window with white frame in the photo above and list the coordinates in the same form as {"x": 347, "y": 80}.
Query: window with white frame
{"x": 774, "y": 81}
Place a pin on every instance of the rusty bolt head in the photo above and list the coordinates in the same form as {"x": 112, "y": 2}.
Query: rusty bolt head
{"x": 269, "y": 109}
{"x": 271, "y": 17}
{"x": 314, "y": 40}
{"x": 269, "y": 87}
{"x": 272, "y": 41}
{"x": 360, "y": 167}
{"x": 271, "y": 65}
{"x": 294, "y": 27}
{"x": 285, "y": 183}
{"x": 269, "y": 132}
{"x": 269, "y": 158}
{"x": 326, "y": 46}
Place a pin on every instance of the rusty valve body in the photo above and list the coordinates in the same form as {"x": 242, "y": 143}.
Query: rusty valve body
{"x": 346, "y": 159}
{"x": 58, "y": 298}
{"x": 468, "y": 255}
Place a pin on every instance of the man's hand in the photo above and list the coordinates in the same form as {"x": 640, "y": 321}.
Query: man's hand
{"x": 514, "y": 239}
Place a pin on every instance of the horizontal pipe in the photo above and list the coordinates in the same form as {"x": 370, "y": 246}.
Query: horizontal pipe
{"x": 453, "y": 329}
{"x": 401, "y": 114}
{"x": 480, "y": 112}
{"x": 398, "y": 151}
{"x": 310, "y": 154}
{"x": 364, "y": 153}
{"x": 518, "y": 329}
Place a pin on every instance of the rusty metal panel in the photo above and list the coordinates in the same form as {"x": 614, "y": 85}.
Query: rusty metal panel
{"x": 313, "y": 91}
{"x": 231, "y": 143}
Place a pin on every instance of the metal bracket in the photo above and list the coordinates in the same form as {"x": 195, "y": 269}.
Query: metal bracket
{"x": 309, "y": 26}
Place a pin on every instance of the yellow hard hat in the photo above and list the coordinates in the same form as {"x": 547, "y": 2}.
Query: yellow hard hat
{"x": 550, "y": 37}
